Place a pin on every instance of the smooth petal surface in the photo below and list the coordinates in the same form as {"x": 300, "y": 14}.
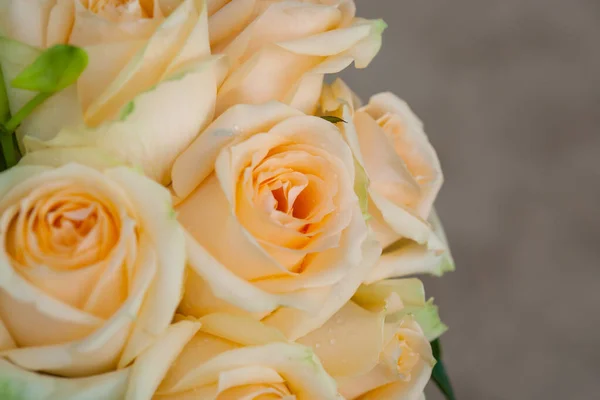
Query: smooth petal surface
{"x": 152, "y": 366}
{"x": 296, "y": 323}
{"x": 197, "y": 162}
{"x": 350, "y": 342}
{"x": 16, "y": 383}
{"x": 167, "y": 237}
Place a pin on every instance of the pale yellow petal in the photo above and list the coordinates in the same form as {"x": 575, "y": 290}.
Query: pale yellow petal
{"x": 350, "y": 342}
{"x": 26, "y": 20}
{"x": 295, "y": 323}
{"x": 22, "y": 384}
{"x": 155, "y": 215}
{"x": 197, "y": 162}
{"x": 297, "y": 364}
{"x": 240, "y": 329}
{"x": 152, "y": 366}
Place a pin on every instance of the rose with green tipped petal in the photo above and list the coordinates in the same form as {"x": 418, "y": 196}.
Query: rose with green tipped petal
{"x": 404, "y": 176}
{"x": 147, "y": 91}
{"x": 376, "y": 346}
{"x": 223, "y": 357}
{"x": 280, "y": 50}
{"x": 91, "y": 271}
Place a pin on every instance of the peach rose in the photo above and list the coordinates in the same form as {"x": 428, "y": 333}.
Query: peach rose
{"x": 374, "y": 347}
{"x": 280, "y": 50}
{"x": 149, "y": 87}
{"x": 91, "y": 272}
{"x": 274, "y": 224}
{"x": 405, "y": 177}
{"x": 228, "y": 357}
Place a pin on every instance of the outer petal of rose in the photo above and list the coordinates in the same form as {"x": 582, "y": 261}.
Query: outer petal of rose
{"x": 197, "y": 161}
{"x": 60, "y": 23}
{"x": 229, "y": 19}
{"x": 157, "y": 129}
{"x": 6, "y": 341}
{"x": 401, "y": 297}
{"x": 350, "y": 342}
{"x": 90, "y": 28}
{"x": 298, "y": 365}
{"x": 153, "y": 204}
{"x": 240, "y": 293}
{"x": 414, "y": 137}
{"x": 198, "y": 299}
{"x": 25, "y": 20}
{"x": 90, "y": 156}
{"x": 152, "y": 366}
{"x": 149, "y": 65}
{"x": 411, "y": 258}
{"x": 240, "y": 329}
{"x": 21, "y": 384}
{"x": 296, "y": 323}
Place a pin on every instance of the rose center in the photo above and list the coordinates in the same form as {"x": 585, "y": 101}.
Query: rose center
{"x": 113, "y": 8}
{"x": 407, "y": 359}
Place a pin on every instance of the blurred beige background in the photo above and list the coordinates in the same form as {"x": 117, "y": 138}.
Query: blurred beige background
{"x": 510, "y": 95}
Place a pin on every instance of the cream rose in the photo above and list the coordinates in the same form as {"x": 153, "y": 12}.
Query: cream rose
{"x": 405, "y": 177}
{"x": 91, "y": 272}
{"x": 374, "y": 347}
{"x": 275, "y": 226}
{"x": 224, "y": 357}
{"x": 280, "y": 50}
{"x": 149, "y": 87}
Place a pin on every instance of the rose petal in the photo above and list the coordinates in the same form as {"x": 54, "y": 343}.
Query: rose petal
{"x": 297, "y": 364}
{"x": 197, "y": 162}
{"x": 295, "y": 323}
{"x": 26, "y": 20}
{"x": 350, "y": 342}
{"x": 22, "y": 384}
{"x": 166, "y": 236}
{"x": 152, "y": 366}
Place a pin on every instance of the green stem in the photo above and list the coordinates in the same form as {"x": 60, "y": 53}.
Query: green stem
{"x": 9, "y": 150}
{"x": 24, "y": 112}
{"x": 4, "y": 108}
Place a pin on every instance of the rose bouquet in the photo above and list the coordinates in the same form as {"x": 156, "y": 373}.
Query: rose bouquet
{"x": 188, "y": 210}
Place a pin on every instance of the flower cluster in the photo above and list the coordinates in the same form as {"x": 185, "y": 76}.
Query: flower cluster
{"x": 198, "y": 214}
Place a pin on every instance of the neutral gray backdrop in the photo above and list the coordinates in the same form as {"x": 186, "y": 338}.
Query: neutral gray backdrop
{"x": 510, "y": 95}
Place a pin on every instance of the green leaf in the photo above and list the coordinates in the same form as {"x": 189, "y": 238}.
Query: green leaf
{"x": 439, "y": 375}
{"x": 332, "y": 119}
{"x": 55, "y": 69}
